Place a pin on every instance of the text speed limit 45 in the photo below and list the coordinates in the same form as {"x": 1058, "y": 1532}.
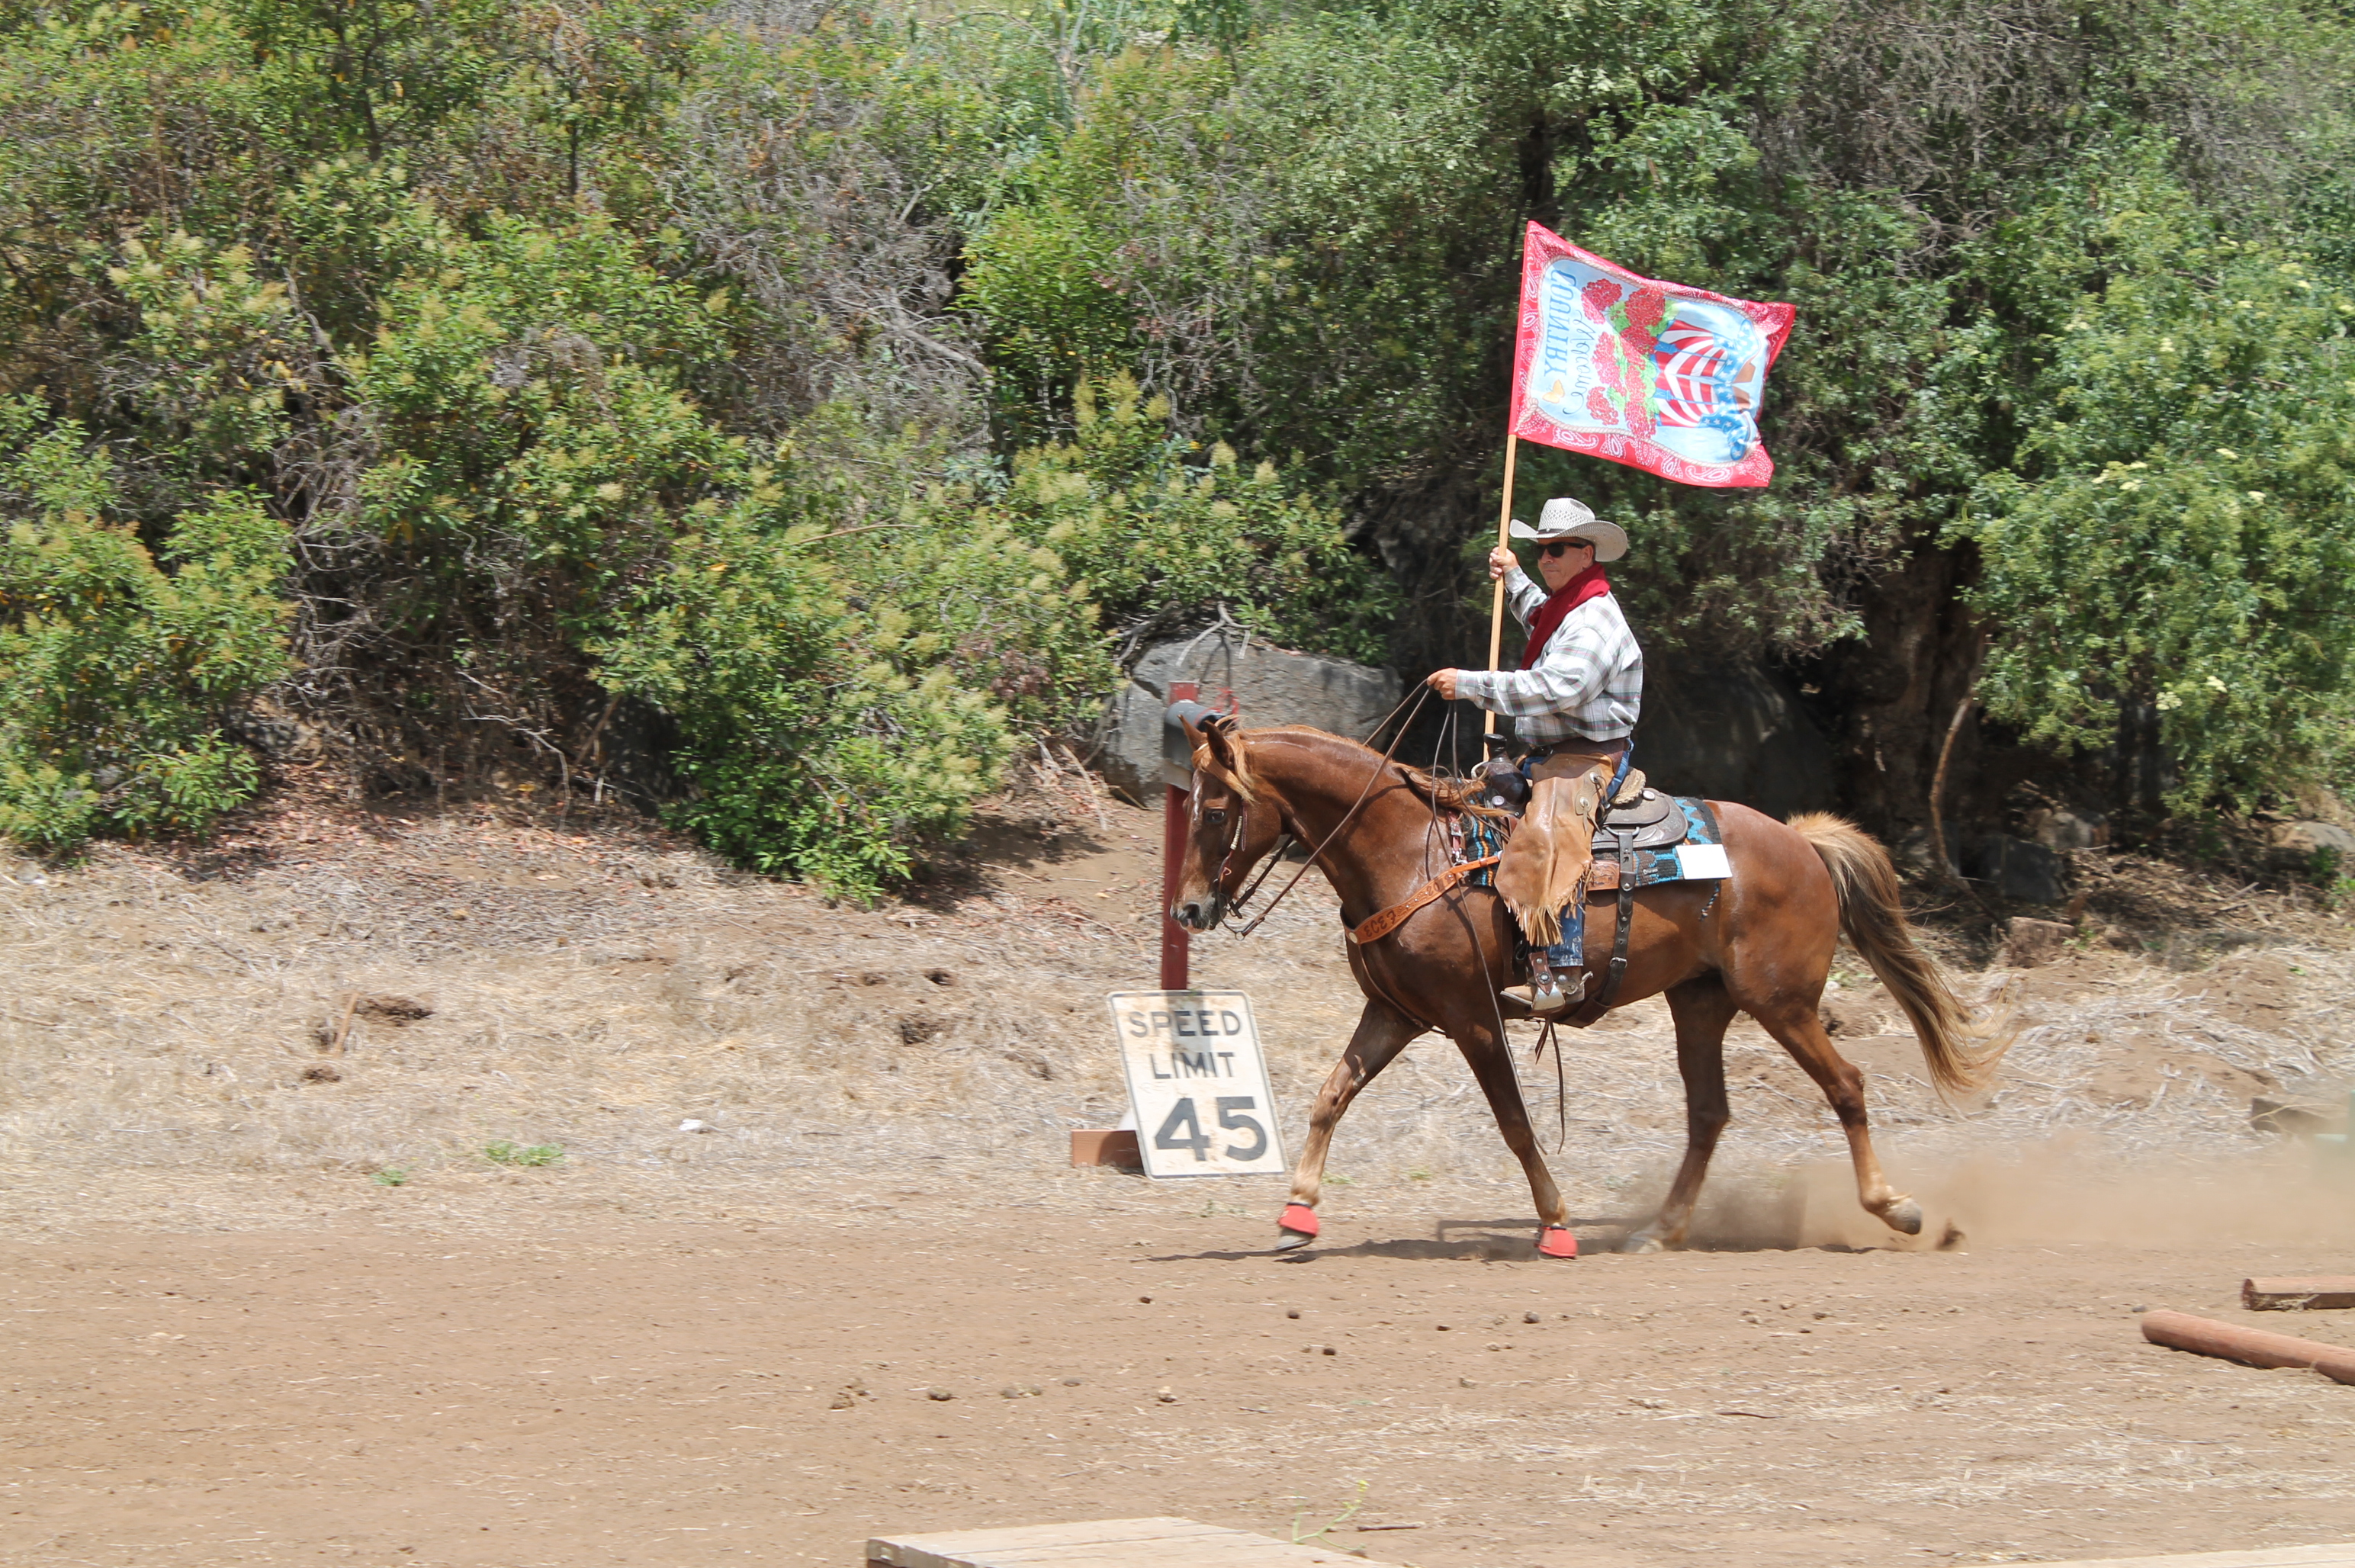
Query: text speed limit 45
{"x": 1181, "y": 1129}
{"x": 1196, "y": 1083}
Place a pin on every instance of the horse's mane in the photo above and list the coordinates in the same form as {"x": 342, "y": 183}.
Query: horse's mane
{"x": 1443, "y": 794}
{"x": 1449, "y": 794}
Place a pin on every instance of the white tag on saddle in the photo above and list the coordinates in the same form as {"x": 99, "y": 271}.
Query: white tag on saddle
{"x": 1703, "y": 862}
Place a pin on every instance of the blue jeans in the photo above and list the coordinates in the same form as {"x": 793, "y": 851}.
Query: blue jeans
{"x": 1570, "y": 953}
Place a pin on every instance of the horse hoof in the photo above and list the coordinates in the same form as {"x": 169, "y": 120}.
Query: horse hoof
{"x": 1904, "y": 1215}
{"x": 1642, "y": 1242}
{"x": 1556, "y": 1242}
{"x": 1298, "y": 1225}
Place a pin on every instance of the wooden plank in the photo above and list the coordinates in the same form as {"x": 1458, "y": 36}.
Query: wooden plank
{"x": 1115, "y": 1146}
{"x": 1159, "y": 1543}
{"x": 2256, "y": 1346}
{"x": 2319, "y": 1291}
{"x": 1166, "y": 1542}
{"x": 2340, "y": 1554}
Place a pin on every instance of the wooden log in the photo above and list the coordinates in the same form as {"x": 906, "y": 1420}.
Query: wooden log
{"x": 2319, "y": 1291}
{"x": 1103, "y": 1543}
{"x": 1115, "y": 1146}
{"x": 2256, "y": 1346}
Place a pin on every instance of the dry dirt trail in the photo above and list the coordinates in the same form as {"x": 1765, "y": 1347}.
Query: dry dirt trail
{"x": 231, "y": 1338}
{"x": 708, "y": 1394}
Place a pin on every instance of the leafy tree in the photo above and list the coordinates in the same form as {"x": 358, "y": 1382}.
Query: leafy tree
{"x": 2170, "y": 546}
{"x": 841, "y": 394}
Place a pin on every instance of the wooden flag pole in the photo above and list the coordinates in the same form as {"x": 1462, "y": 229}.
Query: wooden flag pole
{"x": 1497, "y": 605}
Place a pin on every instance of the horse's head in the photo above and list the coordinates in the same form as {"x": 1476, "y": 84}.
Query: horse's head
{"x": 1231, "y": 823}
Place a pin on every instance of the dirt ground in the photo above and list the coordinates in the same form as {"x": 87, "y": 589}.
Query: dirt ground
{"x": 273, "y": 1302}
{"x": 704, "y": 1393}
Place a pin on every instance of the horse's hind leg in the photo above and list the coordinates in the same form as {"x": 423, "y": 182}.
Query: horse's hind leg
{"x": 1701, "y": 1009}
{"x": 1490, "y": 1056}
{"x": 1796, "y": 1024}
{"x": 1382, "y": 1032}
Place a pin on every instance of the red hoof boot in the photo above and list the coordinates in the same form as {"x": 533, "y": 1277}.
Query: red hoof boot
{"x": 1556, "y": 1242}
{"x": 1298, "y": 1224}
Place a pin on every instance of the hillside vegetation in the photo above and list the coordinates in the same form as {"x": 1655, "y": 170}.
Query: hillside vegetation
{"x": 785, "y": 414}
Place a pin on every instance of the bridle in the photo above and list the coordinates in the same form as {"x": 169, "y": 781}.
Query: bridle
{"x": 1236, "y": 838}
{"x": 1241, "y": 833}
{"x": 1286, "y": 830}
{"x": 1226, "y": 860}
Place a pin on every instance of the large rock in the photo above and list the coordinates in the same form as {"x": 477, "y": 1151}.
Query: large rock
{"x": 1263, "y": 685}
{"x": 2304, "y": 842}
{"x": 1731, "y": 731}
{"x": 2065, "y": 830}
{"x": 2029, "y": 943}
{"x": 2017, "y": 869}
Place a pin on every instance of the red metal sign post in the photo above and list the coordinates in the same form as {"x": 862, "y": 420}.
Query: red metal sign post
{"x": 1175, "y": 951}
{"x": 1118, "y": 1147}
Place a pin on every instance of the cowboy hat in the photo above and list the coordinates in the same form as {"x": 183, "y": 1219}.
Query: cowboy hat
{"x": 1566, "y": 518}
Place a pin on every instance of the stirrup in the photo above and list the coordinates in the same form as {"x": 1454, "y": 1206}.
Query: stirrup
{"x": 1555, "y": 998}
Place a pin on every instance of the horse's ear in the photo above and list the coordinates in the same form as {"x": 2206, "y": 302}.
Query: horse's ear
{"x": 1216, "y": 733}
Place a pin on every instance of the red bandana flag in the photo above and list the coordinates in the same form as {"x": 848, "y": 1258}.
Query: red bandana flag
{"x": 1657, "y": 376}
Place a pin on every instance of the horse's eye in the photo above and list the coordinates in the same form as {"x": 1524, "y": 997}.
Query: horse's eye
{"x": 1214, "y": 817}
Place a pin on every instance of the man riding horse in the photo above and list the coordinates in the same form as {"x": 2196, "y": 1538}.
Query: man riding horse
{"x": 1574, "y": 699}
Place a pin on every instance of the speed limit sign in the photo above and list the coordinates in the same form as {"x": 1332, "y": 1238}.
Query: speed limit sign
{"x": 1196, "y": 1083}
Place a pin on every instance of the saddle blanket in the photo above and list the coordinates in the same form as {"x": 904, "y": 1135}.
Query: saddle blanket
{"x": 1667, "y": 838}
{"x": 1696, "y": 856}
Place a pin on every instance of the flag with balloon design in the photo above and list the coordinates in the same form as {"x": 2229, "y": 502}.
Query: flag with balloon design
{"x": 1659, "y": 376}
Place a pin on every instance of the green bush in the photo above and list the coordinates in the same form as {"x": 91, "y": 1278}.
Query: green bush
{"x": 117, "y": 671}
{"x": 824, "y": 737}
{"x": 766, "y": 367}
{"x": 508, "y": 1152}
{"x": 846, "y": 690}
{"x": 1155, "y": 537}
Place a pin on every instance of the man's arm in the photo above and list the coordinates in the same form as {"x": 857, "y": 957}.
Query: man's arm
{"x": 1523, "y": 594}
{"x": 1565, "y": 678}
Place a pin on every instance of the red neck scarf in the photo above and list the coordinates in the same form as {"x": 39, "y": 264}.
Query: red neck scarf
{"x": 1588, "y": 584}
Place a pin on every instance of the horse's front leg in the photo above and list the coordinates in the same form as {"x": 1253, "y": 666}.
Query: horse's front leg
{"x": 1382, "y": 1032}
{"x": 1490, "y": 1056}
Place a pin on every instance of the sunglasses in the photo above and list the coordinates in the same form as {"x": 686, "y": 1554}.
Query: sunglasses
{"x": 1560, "y": 547}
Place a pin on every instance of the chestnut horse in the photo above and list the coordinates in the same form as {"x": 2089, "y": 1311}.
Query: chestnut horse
{"x": 1759, "y": 942}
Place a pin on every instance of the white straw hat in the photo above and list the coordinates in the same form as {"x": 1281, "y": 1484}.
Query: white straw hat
{"x": 1564, "y": 518}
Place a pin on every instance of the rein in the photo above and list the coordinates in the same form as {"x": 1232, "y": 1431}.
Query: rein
{"x": 1274, "y": 856}
{"x": 1407, "y": 705}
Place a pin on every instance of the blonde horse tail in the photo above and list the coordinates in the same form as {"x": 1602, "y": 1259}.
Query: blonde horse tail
{"x": 1961, "y": 1052}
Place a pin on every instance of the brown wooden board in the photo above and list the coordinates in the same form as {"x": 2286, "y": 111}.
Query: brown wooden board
{"x": 1162, "y": 1543}
{"x": 2319, "y": 1291}
{"x": 2340, "y": 1554}
{"x": 1106, "y": 1146}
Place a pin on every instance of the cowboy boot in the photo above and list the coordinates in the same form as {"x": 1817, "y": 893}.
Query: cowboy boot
{"x": 1545, "y": 995}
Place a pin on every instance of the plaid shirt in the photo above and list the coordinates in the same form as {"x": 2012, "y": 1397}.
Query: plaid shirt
{"x": 1587, "y": 683}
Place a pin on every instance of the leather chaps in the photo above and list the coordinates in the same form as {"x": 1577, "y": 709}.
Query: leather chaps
{"x": 1547, "y": 859}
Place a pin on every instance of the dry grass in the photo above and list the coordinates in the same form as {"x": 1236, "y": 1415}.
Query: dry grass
{"x": 162, "y": 1064}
